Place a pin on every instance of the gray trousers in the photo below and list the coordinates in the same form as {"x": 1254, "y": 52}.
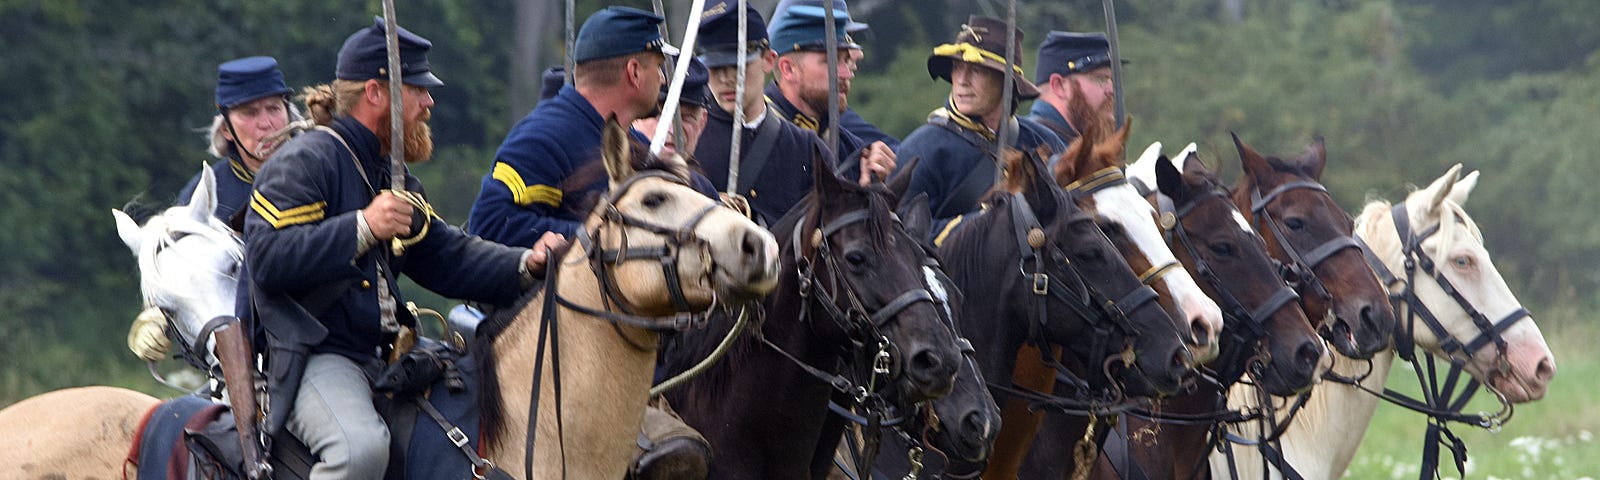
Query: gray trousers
{"x": 334, "y": 415}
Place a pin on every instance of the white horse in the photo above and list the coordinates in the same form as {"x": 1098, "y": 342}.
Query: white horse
{"x": 1322, "y": 438}
{"x": 189, "y": 263}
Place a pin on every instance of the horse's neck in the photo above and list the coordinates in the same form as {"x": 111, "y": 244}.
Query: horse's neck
{"x": 1323, "y": 436}
{"x": 604, "y": 385}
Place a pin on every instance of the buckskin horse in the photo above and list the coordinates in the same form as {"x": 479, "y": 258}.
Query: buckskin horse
{"x": 1266, "y": 334}
{"x": 720, "y": 256}
{"x": 853, "y": 313}
{"x": 1039, "y": 275}
{"x": 1455, "y": 306}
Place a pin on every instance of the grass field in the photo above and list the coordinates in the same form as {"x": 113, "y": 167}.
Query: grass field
{"x": 1553, "y": 438}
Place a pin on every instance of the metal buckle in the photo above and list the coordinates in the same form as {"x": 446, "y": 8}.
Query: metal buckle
{"x": 1041, "y": 283}
{"x": 457, "y": 437}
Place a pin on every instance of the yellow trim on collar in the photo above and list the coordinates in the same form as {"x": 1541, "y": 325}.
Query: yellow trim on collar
{"x": 948, "y": 227}
{"x": 522, "y": 193}
{"x": 241, "y": 172}
{"x": 280, "y": 218}
{"x": 972, "y": 54}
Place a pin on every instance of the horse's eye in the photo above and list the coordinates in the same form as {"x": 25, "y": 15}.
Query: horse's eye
{"x": 1462, "y": 261}
{"x": 856, "y": 258}
{"x": 233, "y": 270}
{"x": 653, "y": 200}
{"x": 1222, "y": 248}
{"x": 1090, "y": 255}
{"x": 1294, "y": 223}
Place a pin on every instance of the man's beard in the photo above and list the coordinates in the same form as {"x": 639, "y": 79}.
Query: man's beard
{"x": 419, "y": 137}
{"x": 817, "y": 98}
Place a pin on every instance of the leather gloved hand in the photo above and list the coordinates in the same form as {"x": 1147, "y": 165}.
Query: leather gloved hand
{"x": 147, "y": 337}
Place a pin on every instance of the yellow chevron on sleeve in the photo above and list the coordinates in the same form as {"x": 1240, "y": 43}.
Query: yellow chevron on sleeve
{"x": 280, "y": 218}
{"x": 522, "y": 193}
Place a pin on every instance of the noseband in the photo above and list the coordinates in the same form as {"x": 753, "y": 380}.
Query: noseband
{"x": 1300, "y": 271}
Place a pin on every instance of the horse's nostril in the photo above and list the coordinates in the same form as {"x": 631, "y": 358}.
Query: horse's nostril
{"x": 1545, "y": 371}
{"x": 1181, "y": 359}
{"x": 751, "y": 244}
{"x": 925, "y": 361}
{"x": 1308, "y": 355}
{"x": 1199, "y": 333}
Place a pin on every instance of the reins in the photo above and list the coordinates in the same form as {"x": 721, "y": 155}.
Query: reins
{"x": 1441, "y": 401}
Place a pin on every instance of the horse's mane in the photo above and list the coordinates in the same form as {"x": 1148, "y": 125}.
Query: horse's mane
{"x": 160, "y": 232}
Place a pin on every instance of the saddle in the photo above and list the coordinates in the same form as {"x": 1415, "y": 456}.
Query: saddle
{"x": 195, "y": 438}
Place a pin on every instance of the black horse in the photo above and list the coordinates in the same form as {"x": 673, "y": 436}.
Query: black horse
{"x": 1050, "y": 281}
{"x": 852, "y": 318}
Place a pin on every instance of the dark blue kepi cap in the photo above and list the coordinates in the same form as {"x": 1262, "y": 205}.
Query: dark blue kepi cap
{"x": 694, "y": 86}
{"x": 1072, "y": 52}
{"x": 618, "y": 31}
{"x": 247, "y": 79}
{"x": 365, "y": 56}
{"x": 719, "y": 34}
{"x": 798, "y": 26}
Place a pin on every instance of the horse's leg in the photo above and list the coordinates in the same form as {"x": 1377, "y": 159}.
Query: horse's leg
{"x": 73, "y": 433}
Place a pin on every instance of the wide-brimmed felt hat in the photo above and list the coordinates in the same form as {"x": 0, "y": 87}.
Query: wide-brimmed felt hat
{"x": 247, "y": 79}
{"x": 981, "y": 41}
{"x": 365, "y": 56}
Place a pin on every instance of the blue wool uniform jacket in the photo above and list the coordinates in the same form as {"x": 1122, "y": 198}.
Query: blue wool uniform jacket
{"x": 1045, "y": 114}
{"x": 310, "y": 287}
{"x": 234, "y": 182}
{"x": 948, "y": 157}
{"x": 526, "y": 193}
{"x": 782, "y": 181}
{"x": 868, "y": 132}
{"x": 848, "y": 158}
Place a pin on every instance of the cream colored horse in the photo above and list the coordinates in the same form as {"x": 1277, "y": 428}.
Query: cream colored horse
{"x": 606, "y": 368}
{"x": 70, "y": 434}
{"x": 1322, "y": 438}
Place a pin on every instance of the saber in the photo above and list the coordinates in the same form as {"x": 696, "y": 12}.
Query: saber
{"x": 734, "y": 149}
{"x": 397, "y": 129}
{"x": 1116, "y": 59}
{"x": 832, "y": 45}
{"x": 677, "y": 122}
{"x": 570, "y": 64}
{"x": 670, "y": 110}
{"x": 1008, "y": 95}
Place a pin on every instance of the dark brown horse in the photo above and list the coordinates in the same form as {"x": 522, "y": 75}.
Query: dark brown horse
{"x": 1310, "y": 234}
{"x": 1050, "y": 279}
{"x": 854, "y": 315}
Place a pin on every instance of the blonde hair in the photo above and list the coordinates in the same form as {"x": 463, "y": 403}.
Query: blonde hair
{"x": 329, "y": 101}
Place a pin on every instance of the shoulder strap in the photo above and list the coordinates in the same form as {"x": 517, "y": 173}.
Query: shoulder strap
{"x": 755, "y": 159}
{"x": 970, "y": 187}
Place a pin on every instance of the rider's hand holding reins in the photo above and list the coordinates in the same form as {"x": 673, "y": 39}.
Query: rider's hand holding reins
{"x": 877, "y": 163}
{"x": 550, "y": 241}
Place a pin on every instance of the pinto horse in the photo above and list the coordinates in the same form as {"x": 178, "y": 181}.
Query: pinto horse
{"x": 1266, "y": 334}
{"x": 1051, "y": 281}
{"x": 855, "y": 314}
{"x": 653, "y": 252}
{"x": 1457, "y": 307}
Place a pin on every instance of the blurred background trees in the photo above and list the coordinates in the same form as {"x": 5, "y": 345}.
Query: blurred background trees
{"x": 104, "y": 99}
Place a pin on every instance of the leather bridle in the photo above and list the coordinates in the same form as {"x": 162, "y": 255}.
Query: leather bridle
{"x": 1300, "y": 271}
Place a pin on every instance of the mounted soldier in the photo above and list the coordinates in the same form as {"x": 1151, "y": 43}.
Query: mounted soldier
{"x": 958, "y": 144}
{"x": 1073, "y": 64}
{"x": 799, "y": 91}
{"x": 775, "y": 162}
{"x": 253, "y": 111}
{"x": 322, "y": 271}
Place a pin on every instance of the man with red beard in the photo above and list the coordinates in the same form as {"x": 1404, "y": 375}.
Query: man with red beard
{"x": 323, "y": 275}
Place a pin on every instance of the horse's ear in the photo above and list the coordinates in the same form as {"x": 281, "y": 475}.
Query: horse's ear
{"x": 901, "y": 180}
{"x": 1440, "y": 189}
{"x": 1116, "y": 147}
{"x": 1315, "y": 158}
{"x": 204, "y": 199}
{"x": 129, "y": 230}
{"x": 914, "y": 214}
{"x": 615, "y": 151}
{"x": 1150, "y": 153}
{"x": 1067, "y": 166}
{"x": 1168, "y": 179}
{"x": 1464, "y": 188}
{"x": 827, "y": 184}
{"x": 1254, "y": 165}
